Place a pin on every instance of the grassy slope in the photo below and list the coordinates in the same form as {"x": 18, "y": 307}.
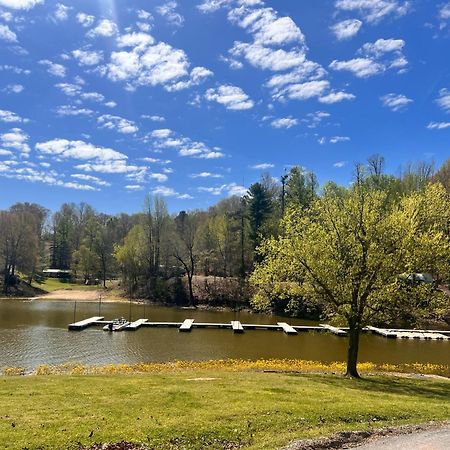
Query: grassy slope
{"x": 53, "y": 284}
{"x": 175, "y": 410}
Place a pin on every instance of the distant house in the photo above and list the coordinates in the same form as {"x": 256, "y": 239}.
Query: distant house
{"x": 420, "y": 278}
{"x": 57, "y": 273}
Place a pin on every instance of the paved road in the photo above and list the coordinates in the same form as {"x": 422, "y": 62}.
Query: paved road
{"x": 437, "y": 439}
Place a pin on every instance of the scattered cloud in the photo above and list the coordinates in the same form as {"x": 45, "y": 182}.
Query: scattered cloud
{"x": 61, "y": 13}
{"x": 168, "y": 11}
{"x": 104, "y": 28}
{"x": 20, "y": 4}
{"x": 346, "y": 29}
{"x": 262, "y": 166}
{"x": 376, "y": 58}
{"x": 85, "y": 19}
{"x": 374, "y": 11}
{"x": 232, "y": 97}
{"x": 333, "y": 140}
{"x": 15, "y": 69}
{"x": 117, "y": 123}
{"x": 13, "y": 89}
{"x": 340, "y": 164}
{"x": 142, "y": 62}
{"x": 444, "y": 100}
{"x": 15, "y": 139}
{"x": 166, "y": 138}
{"x": 154, "y": 118}
{"x": 88, "y": 57}
{"x": 230, "y": 190}
{"x": 206, "y": 175}
{"x": 57, "y": 70}
{"x": 70, "y": 110}
{"x": 11, "y": 117}
{"x": 395, "y": 102}
{"x": 6, "y": 34}
{"x": 91, "y": 179}
{"x": 438, "y": 125}
{"x": 284, "y": 122}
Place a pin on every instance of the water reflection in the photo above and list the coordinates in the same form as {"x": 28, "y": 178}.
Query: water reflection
{"x": 35, "y": 332}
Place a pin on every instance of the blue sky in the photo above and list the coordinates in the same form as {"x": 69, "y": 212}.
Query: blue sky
{"x": 105, "y": 101}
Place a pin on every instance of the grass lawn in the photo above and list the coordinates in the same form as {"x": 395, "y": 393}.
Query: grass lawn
{"x": 54, "y": 284}
{"x": 195, "y": 409}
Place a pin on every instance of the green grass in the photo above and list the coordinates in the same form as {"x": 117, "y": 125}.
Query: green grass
{"x": 53, "y": 284}
{"x": 254, "y": 410}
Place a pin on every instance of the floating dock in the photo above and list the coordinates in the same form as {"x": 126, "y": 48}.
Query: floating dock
{"x": 236, "y": 326}
{"x": 82, "y": 324}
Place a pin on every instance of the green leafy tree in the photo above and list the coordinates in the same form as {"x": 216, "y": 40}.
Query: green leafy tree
{"x": 346, "y": 252}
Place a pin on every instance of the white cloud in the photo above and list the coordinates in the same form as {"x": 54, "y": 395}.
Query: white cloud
{"x": 69, "y": 110}
{"x": 10, "y": 117}
{"x": 165, "y": 138}
{"x": 154, "y": 118}
{"x": 360, "y": 67}
{"x": 146, "y": 63}
{"x": 15, "y": 69}
{"x": 395, "y": 102}
{"x": 374, "y": 10}
{"x": 13, "y": 89}
{"x": 228, "y": 189}
{"x": 376, "y": 58}
{"x": 159, "y": 177}
{"x": 61, "y": 13}
{"x": 346, "y": 29}
{"x": 104, "y": 28}
{"x": 63, "y": 148}
{"x": 337, "y": 139}
{"x": 438, "y": 125}
{"x": 117, "y": 123}
{"x": 20, "y": 4}
{"x": 336, "y": 97}
{"x": 206, "y": 175}
{"x": 169, "y": 192}
{"x": 6, "y": 34}
{"x": 113, "y": 166}
{"x": 232, "y": 97}
{"x": 111, "y": 104}
{"x": 168, "y": 11}
{"x": 284, "y": 122}
{"x": 161, "y": 133}
{"x": 57, "y": 70}
{"x": 85, "y": 19}
{"x": 340, "y": 164}
{"x": 444, "y": 99}
{"x": 382, "y": 46}
{"x": 87, "y": 57}
{"x": 262, "y": 166}
{"x": 314, "y": 119}
{"x": 15, "y": 139}
{"x": 90, "y": 179}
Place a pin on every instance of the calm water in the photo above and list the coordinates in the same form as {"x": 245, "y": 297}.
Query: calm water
{"x": 35, "y": 332}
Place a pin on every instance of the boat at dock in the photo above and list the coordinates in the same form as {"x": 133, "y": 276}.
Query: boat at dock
{"x": 116, "y": 325}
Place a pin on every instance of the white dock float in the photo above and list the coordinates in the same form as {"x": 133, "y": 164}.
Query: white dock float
{"x": 237, "y": 326}
{"x": 287, "y": 328}
{"x": 383, "y": 332}
{"x": 82, "y": 324}
{"x": 135, "y": 325}
{"x": 421, "y": 335}
{"x": 186, "y": 325}
{"x": 334, "y": 330}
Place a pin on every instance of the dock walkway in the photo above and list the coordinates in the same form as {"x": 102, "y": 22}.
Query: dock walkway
{"x": 237, "y": 327}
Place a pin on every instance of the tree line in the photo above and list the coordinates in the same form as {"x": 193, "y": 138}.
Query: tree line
{"x": 152, "y": 251}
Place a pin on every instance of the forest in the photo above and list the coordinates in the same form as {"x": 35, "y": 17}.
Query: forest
{"x": 219, "y": 256}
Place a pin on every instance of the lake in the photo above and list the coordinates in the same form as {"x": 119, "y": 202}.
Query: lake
{"x": 35, "y": 332}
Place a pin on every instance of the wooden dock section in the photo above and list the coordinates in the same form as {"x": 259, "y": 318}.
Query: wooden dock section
{"x": 82, "y": 324}
{"x": 287, "y": 328}
{"x": 334, "y": 330}
{"x": 135, "y": 325}
{"x": 383, "y": 332}
{"x": 186, "y": 326}
{"x": 237, "y": 326}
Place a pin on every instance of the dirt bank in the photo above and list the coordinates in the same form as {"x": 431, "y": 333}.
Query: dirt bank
{"x": 81, "y": 295}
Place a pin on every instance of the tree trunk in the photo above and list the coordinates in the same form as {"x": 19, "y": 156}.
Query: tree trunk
{"x": 192, "y": 301}
{"x": 353, "y": 347}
